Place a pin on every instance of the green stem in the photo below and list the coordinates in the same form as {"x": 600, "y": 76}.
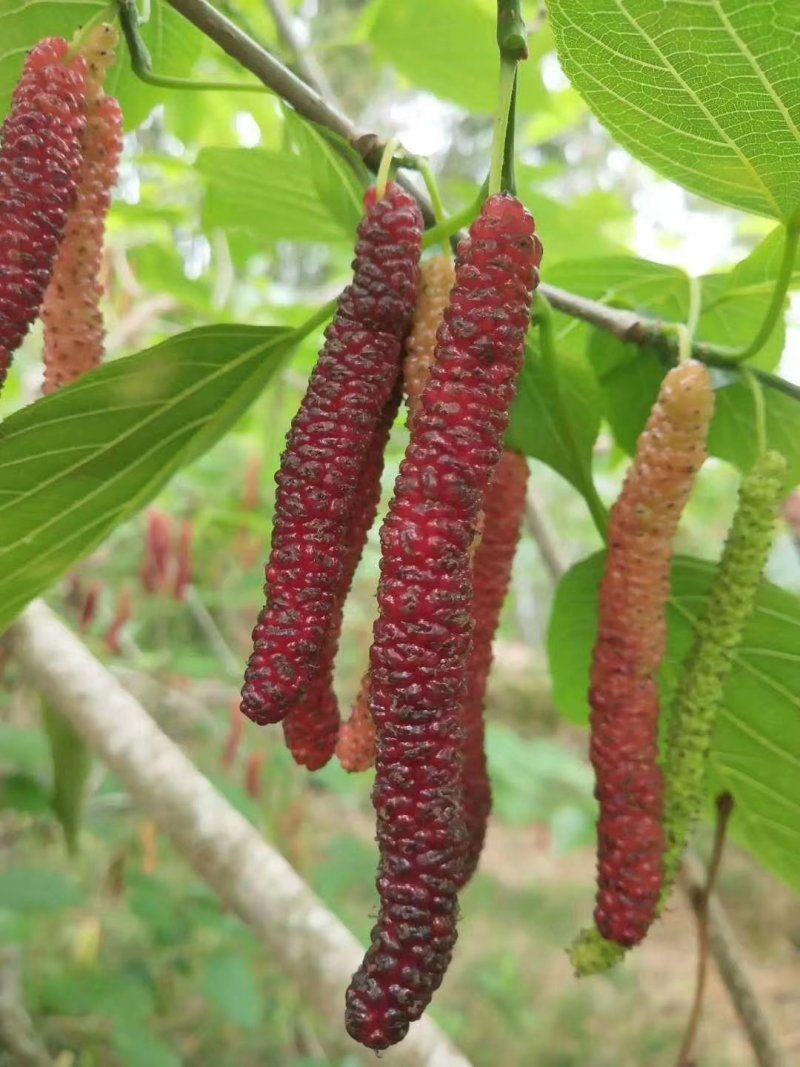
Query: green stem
{"x": 508, "y": 74}
{"x": 321, "y": 315}
{"x": 543, "y": 315}
{"x": 382, "y": 177}
{"x": 448, "y": 227}
{"x": 142, "y": 64}
{"x": 512, "y": 34}
{"x": 782, "y": 283}
{"x": 423, "y": 166}
{"x": 759, "y": 410}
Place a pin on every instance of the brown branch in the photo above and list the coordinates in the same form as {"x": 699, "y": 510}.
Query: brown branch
{"x": 732, "y": 969}
{"x": 17, "y": 1034}
{"x": 724, "y": 810}
{"x": 301, "y": 936}
{"x": 311, "y": 71}
{"x": 282, "y": 81}
{"x": 539, "y": 528}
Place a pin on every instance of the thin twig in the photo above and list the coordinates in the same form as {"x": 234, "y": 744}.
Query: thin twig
{"x": 732, "y": 969}
{"x": 724, "y": 809}
{"x": 303, "y": 939}
{"x": 17, "y": 1034}
{"x": 282, "y": 81}
{"x": 311, "y": 71}
{"x": 540, "y": 530}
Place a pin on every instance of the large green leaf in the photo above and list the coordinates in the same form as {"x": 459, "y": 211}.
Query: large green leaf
{"x": 76, "y": 464}
{"x": 276, "y": 195}
{"x": 557, "y": 422}
{"x": 732, "y": 305}
{"x": 630, "y": 378}
{"x": 706, "y": 93}
{"x": 174, "y": 46}
{"x": 448, "y": 49}
{"x": 756, "y": 747}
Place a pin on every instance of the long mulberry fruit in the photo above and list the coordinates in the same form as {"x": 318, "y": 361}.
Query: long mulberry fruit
{"x": 503, "y": 511}
{"x": 437, "y": 278}
{"x": 40, "y": 162}
{"x": 493, "y": 548}
{"x": 717, "y": 635}
{"x": 355, "y": 745}
{"x": 325, "y": 455}
{"x": 422, "y": 637}
{"x": 312, "y": 727}
{"x": 630, "y": 647}
{"x": 73, "y": 322}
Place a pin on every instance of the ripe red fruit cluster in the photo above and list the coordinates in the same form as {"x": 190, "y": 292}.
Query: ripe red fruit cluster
{"x": 40, "y": 163}
{"x": 503, "y": 512}
{"x": 73, "y": 321}
{"x": 423, "y": 678}
{"x": 630, "y": 647}
{"x": 421, "y": 644}
{"x": 323, "y": 467}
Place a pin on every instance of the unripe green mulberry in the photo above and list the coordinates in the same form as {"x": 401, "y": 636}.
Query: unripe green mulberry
{"x": 719, "y": 631}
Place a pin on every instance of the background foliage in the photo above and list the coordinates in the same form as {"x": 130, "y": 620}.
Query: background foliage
{"x": 233, "y": 223}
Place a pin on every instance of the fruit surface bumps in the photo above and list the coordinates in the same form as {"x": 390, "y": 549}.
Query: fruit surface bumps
{"x": 322, "y": 465}
{"x": 73, "y": 321}
{"x": 718, "y": 634}
{"x": 312, "y": 727}
{"x": 40, "y": 162}
{"x": 422, "y": 635}
{"x": 503, "y": 512}
{"x": 630, "y": 647}
{"x": 437, "y": 278}
{"x": 493, "y": 550}
{"x": 356, "y": 742}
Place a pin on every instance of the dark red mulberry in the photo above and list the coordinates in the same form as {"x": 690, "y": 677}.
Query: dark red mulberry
{"x": 630, "y": 647}
{"x": 322, "y": 466}
{"x": 73, "y": 322}
{"x": 40, "y": 164}
{"x": 312, "y": 727}
{"x": 422, "y": 637}
{"x": 503, "y": 511}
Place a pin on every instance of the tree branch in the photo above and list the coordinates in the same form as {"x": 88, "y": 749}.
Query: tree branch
{"x": 732, "y": 970}
{"x": 307, "y": 64}
{"x": 17, "y": 1035}
{"x": 538, "y": 526}
{"x": 252, "y": 878}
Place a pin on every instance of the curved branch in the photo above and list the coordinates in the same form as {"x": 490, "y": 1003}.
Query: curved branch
{"x": 256, "y": 882}
{"x": 732, "y": 970}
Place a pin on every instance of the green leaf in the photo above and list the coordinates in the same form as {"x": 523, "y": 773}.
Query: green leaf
{"x": 537, "y": 427}
{"x": 231, "y": 985}
{"x": 71, "y": 762}
{"x": 274, "y": 195}
{"x": 76, "y": 464}
{"x": 707, "y": 94}
{"x": 756, "y": 744}
{"x": 338, "y": 172}
{"x": 138, "y": 1048}
{"x": 21, "y": 792}
{"x": 732, "y": 434}
{"x": 630, "y": 378}
{"x": 28, "y": 890}
{"x": 448, "y": 50}
{"x": 174, "y": 46}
